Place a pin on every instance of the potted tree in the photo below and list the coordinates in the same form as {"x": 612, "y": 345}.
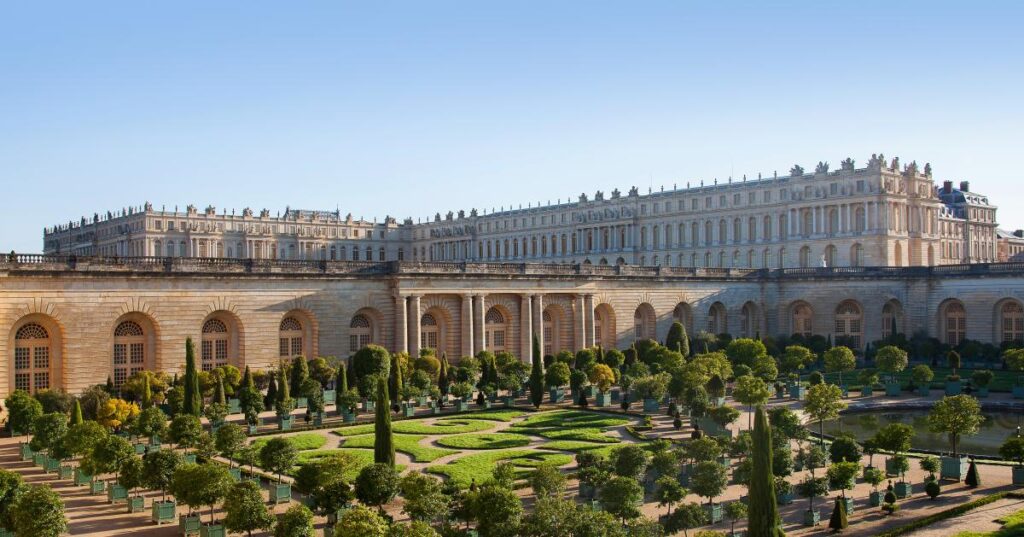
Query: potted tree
{"x": 79, "y": 441}
{"x": 107, "y": 457}
{"x": 22, "y": 411}
{"x": 215, "y": 413}
{"x": 783, "y": 491}
{"x": 556, "y": 377}
{"x": 313, "y": 391}
{"x": 891, "y": 360}
{"x": 735, "y": 511}
{"x": 716, "y": 390}
{"x": 197, "y": 486}
{"x": 956, "y": 416}
{"x": 461, "y": 391}
{"x": 843, "y": 476}
{"x": 824, "y": 402}
{"x": 49, "y": 432}
{"x": 278, "y": 456}
{"x": 930, "y": 464}
{"x": 132, "y": 476}
{"x": 511, "y": 384}
{"x": 868, "y": 378}
{"x": 1014, "y": 359}
{"x": 901, "y": 464}
{"x": 158, "y": 469}
{"x": 577, "y": 384}
{"x": 874, "y": 477}
{"x": 1013, "y": 450}
{"x": 953, "y": 384}
{"x": 185, "y": 431}
{"x": 922, "y": 376}
{"x": 709, "y": 480}
{"x": 251, "y": 402}
{"x": 840, "y": 360}
{"x": 284, "y": 405}
{"x": 812, "y": 487}
{"x": 151, "y": 425}
{"x": 980, "y": 380}
{"x": 602, "y": 377}
{"x": 230, "y": 438}
{"x": 651, "y": 388}
{"x": 894, "y": 438}
{"x": 348, "y": 404}
{"x": 244, "y": 509}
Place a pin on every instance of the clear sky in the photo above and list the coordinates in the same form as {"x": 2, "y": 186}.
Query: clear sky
{"x": 411, "y": 108}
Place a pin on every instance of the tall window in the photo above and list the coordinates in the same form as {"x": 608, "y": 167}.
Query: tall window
{"x": 1012, "y": 322}
{"x": 216, "y": 340}
{"x": 129, "y": 351}
{"x": 856, "y": 255}
{"x": 550, "y": 334}
{"x": 643, "y": 322}
{"x": 494, "y": 330}
{"x": 32, "y": 358}
{"x": 955, "y": 323}
{"x": 428, "y": 331}
{"x": 802, "y": 320}
{"x": 749, "y": 320}
{"x": 359, "y": 333}
{"x": 805, "y": 257}
{"x": 290, "y": 338}
{"x": 716, "y": 319}
{"x": 891, "y": 316}
{"x": 849, "y": 323}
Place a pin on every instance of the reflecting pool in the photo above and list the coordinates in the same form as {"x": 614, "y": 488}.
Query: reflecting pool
{"x": 997, "y": 427}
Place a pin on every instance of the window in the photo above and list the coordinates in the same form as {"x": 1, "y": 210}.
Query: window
{"x": 849, "y": 323}
{"x": 717, "y": 322}
{"x": 290, "y": 338}
{"x": 955, "y": 323}
{"x": 891, "y": 316}
{"x": 550, "y": 334}
{"x": 643, "y": 322}
{"x": 1012, "y": 322}
{"x": 494, "y": 330}
{"x": 129, "y": 351}
{"x": 360, "y": 333}
{"x": 802, "y": 320}
{"x": 32, "y": 358}
{"x": 428, "y": 332}
{"x": 216, "y": 340}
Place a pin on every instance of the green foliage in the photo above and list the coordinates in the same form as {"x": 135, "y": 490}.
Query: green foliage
{"x": 384, "y": 443}
{"x": 244, "y": 509}
{"x": 478, "y": 466}
{"x": 956, "y": 416}
{"x": 973, "y": 478}
{"x": 297, "y": 521}
{"x": 622, "y": 496}
{"x": 795, "y": 358}
{"x": 132, "y": 473}
{"x": 932, "y": 489}
{"x": 361, "y": 522}
{"x": 456, "y": 425}
{"x": 49, "y": 430}
{"x": 982, "y": 378}
{"x": 839, "y": 360}
{"x": 922, "y": 374}
{"x": 497, "y": 510}
{"x": 838, "y": 521}
{"x": 688, "y": 516}
{"x": 151, "y": 422}
{"x": 894, "y": 437}
{"x": 751, "y": 391}
{"x": 372, "y": 360}
{"x": 823, "y": 402}
{"x": 1013, "y": 449}
{"x": 198, "y": 485}
{"x": 629, "y": 461}
{"x": 278, "y": 455}
{"x": 708, "y": 479}
{"x": 159, "y": 467}
{"x": 942, "y": 515}
{"x": 38, "y": 512}
{"x": 891, "y": 359}
{"x": 301, "y": 441}
{"x": 424, "y": 499}
{"x": 229, "y": 439}
{"x": 930, "y": 464}
{"x": 192, "y": 403}
{"x": 844, "y": 448}
{"x": 377, "y": 484}
{"x": 702, "y": 449}
{"x": 11, "y": 488}
{"x": 557, "y": 375}
{"x": 841, "y": 475}
{"x": 108, "y": 455}
{"x": 185, "y": 430}
{"x": 764, "y": 511}
{"x": 405, "y": 443}
{"x": 677, "y": 339}
{"x": 484, "y": 441}
{"x": 669, "y": 491}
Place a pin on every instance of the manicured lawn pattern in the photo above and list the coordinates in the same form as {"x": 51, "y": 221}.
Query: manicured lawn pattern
{"x": 301, "y": 441}
{"x": 479, "y": 466}
{"x": 484, "y": 441}
{"x": 570, "y": 425}
{"x": 405, "y": 443}
{"x": 490, "y": 415}
{"x": 362, "y": 457}
{"x": 448, "y": 426}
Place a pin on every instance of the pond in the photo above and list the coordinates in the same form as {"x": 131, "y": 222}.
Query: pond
{"x": 997, "y": 427}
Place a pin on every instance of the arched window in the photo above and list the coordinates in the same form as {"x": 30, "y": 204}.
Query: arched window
{"x": 604, "y": 326}
{"x": 849, "y": 325}
{"x": 129, "y": 351}
{"x": 717, "y": 322}
{"x": 290, "y": 338}
{"x": 428, "y": 331}
{"x": 802, "y": 320}
{"x": 856, "y": 255}
{"x": 1011, "y": 321}
{"x": 216, "y": 342}
{"x": 360, "y": 333}
{"x": 723, "y": 231}
{"x": 833, "y": 222}
{"x": 32, "y": 358}
{"x": 494, "y": 330}
{"x": 644, "y": 322}
{"x": 892, "y": 317}
{"x": 708, "y": 232}
{"x": 954, "y": 322}
{"x": 550, "y": 333}
{"x": 751, "y": 229}
{"x": 830, "y": 256}
{"x": 766, "y": 233}
{"x": 805, "y": 256}
{"x": 737, "y": 230}
{"x": 749, "y": 320}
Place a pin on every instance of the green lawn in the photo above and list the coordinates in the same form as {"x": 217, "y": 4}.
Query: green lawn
{"x": 484, "y": 441}
{"x": 406, "y": 443}
{"x": 363, "y": 458}
{"x": 447, "y": 426}
{"x": 479, "y": 466}
{"x": 491, "y": 415}
{"x": 564, "y": 419}
{"x": 301, "y": 441}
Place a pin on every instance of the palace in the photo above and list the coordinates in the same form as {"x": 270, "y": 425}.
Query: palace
{"x": 70, "y": 322}
{"x": 883, "y": 214}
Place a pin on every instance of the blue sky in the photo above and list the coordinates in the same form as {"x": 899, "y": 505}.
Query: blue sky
{"x": 408, "y": 108}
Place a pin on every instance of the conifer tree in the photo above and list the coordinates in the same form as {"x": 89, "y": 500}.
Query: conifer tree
{"x": 341, "y": 380}
{"x": 383, "y": 441}
{"x": 537, "y": 376}
{"x": 299, "y": 373}
{"x": 973, "y": 479}
{"x": 396, "y": 380}
{"x": 219, "y": 395}
{"x": 271, "y": 397}
{"x": 353, "y": 380}
{"x": 193, "y": 401}
{"x": 76, "y": 414}
{"x": 838, "y": 521}
{"x": 764, "y": 512}
{"x": 246, "y": 378}
{"x": 147, "y": 393}
{"x": 442, "y": 375}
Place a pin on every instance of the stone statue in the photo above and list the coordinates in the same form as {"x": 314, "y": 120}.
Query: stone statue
{"x": 796, "y": 171}
{"x": 583, "y": 198}
{"x": 822, "y": 167}
{"x": 616, "y": 194}
{"x": 449, "y": 216}
{"x": 599, "y": 196}
{"x": 462, "y": 214}
{"x": 847, "y": 165}
{"x": 912, "y": 167}
{"x": 634, "y": 192}
{"x": 824, "y": 263}
{"x": 928, "y": 169}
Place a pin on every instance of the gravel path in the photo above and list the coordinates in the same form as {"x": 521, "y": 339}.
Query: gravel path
{"x": 980, "y": 519}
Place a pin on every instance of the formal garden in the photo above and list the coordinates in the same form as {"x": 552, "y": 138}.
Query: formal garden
{"x": 706, "y": 436}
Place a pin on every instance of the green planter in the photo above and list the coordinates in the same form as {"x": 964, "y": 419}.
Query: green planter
{"x": 849, "y": 505}
{"x": 280, "y": 493}
{"x": 318, "y": 419}
{"x": 434, "y": 409}
{"x": 116, "y": 493}
{"x": 462, "y": 406}
{"x": 588, "y": 492}
{"x": 140, "y": 449}
{"x": 97, "y": 487}
{"x": 714, "y": 512}
{"x": 408, "y": 410}
{"x": 163, "y": 512}
{"x": 1018, "y": 475}
{"x": 890, "y": 468}
{"x": 903, "y": 489}
{"x": 154, "y": 441}
{"x": 253, "y": 429}
{"x": 954, "y": 468}
{"x": 4, "y": 532}
{"x": 923, "y": 391}
{"x": 892, "y": 389}
{"x": 26, "y": 452}
{"x": 38, "y": 459}
{"x": 718, "y": 401}
{"x": 333, "y": 518}
{"x": 556, "y": 395}
{"x": 285, "y": 423}
{"x": 82, "y": 478}
{"x": 234, "y": 406}
{"x": 1018, "y": 392}
{"x": 421, "y": 400}
{"x": 301, "y": 402}
{"x": 329, "y": 396}
{"x": 784, "y": 498}
{"x": 67, "y": 472}
{"x": 982, "y": 392}
{"x": 188, "y": 525}
{"x": 875, "y": 498}
{"x": 235, "y": 473}
{"x": 136, "y": 504}
{"x": 798, "y": 392}
{"x": 190, "y": 458}
{"x": 368, "y": 406}
{"x": 616, "y": 396}
{"x": 812, "y": 517}
{"x": 52, "y": 465}
{"x": 954, "y": 387}
{"x": 508, "y": 401}
{"x": 651, "y": 406}
{"x": 867, "y": 391}
{"x": 603, "y": 399}
{"x": 216, "y": 530}
{"x": 348, "y": 417}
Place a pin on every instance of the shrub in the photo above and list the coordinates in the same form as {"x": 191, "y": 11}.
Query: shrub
{"x": 932, "y": 489}
{"x": 557, "y": 375}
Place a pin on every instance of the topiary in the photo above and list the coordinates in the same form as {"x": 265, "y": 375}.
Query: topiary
{"x": 932, "y": 489}
{"x": 973, "y": 479}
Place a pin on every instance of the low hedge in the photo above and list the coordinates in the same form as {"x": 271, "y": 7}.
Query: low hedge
{"x": 949, "y": 513}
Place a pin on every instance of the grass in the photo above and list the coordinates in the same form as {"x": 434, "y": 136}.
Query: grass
{"x": 301, "y": 441}
{"x": 479, "y": 466}
{"x": 570, "y": 425}
{"x": 362, "y": 458}
{"x": 950, "y": 513}
{"x": 1013, "y": 526}
{"x": 484, "y": 441}
{"x": 490, "y": 415}
{"x": 448, "y": 426}
{"x": 406, "y": 443}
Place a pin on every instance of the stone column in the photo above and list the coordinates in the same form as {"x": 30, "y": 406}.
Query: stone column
{"x": 538, "y": 320}
{"x": 525, "y": 328}
{"x": 467, "y": 325}
{"x": 580, "y": 328}
{"x": 478, "y": 322}
{"x": 589, "y": 307}
{"x": 414, "y": 326}
{"x": 401, "y": 324}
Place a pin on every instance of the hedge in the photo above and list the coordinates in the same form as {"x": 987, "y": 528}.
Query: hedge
{"x": 950, "y": 513}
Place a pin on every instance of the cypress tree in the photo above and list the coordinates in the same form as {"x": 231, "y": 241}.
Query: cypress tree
{"x": 973, "y": 479}
{"x": 110, "y": 386}
{"x": 537, "y": 377}
{"x": 247, "y": 379}
{"x": 675, "y": 336}
{"x": 684, "y": 342}
{"x": 76, "y": 414}
{"x": 383, "y": 439}
{"x": 839, "y": 521}
{"x": 442, "y": 375}
{"x": 299, "y": 373}
{"x": 535, "y": 349}
{"x": 396, "y": 379}
{"x": 341, "y": 380}
{"x": 271, "y": 398}
{"x": 147, "y": 393}
{"x": 764, "y": 512}
{"x": 284, "y": 391}
{"x": 353, "y": 381}
{"x": 219, "y": 395}
{"x": 193, "y": 402}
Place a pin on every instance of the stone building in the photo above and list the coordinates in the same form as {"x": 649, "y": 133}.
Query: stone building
{"x": 883, "y": 214}
{"x": 72, "y": 321}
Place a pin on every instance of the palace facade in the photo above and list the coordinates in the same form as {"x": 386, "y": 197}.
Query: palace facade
{"x": 883, "y": 214}
{"x": 71, "y": 321}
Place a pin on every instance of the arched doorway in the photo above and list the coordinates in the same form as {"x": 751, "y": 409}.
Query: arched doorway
{"x": 495, "y": 330}
{"x": 644, "y": 320}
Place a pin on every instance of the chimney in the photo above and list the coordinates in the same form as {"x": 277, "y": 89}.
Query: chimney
{"x": 947, "y": 187}
{"x": 965, "y": 186}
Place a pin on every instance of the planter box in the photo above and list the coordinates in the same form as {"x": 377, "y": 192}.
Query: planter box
{"x": 849, "y": 505}
{"x": 136, "y": 504}
{"x": 954, "y": 387}
{"x": 1018, "y": 475}
{"x": 253, "y": 478}
{"x": 785, "y": 498}
{"x": 52, "y": 465}
{"x": 301, "y": 402}
{"x": 368, "y": 406}
{"x": 923, "y": 391}
{"x": 234, "y": 406}
{"x": 216, "y": 530}
{"x": 1018, "y": 392}
{"x": 140, "y": 449}
{"x": 616, "y": 396}
{"x": 724, "y": 460}
{"x": 875, "y": 498}
{"x": 154, "y": 441}
{"x": 190, "y": 458}
{"x": 26, "y": 452}
{"x": 330, "y": 396}
{"x": 285, "y": 423}
{"x": 587, "y": 492}
{"x": 903, "y": 489}
{"x": 253, "y": 429}
{"x": 97, "y": 487}
{"x": 864, "y": 471}
{"x": 4, "y": 532}
{"x": 890, "y": 468}
{"x": 318, "y": 419}
{"x": 780, "y": 393}
{"x": 461, "y": 406}
{"x": 798, "y": 392}
{"x": 982, "y": 392}
{"x": 556, "y": 395}
{"x": 892, "y": 389}
{"x": 67, "y": 472}
{"x": 38, "y": 459}
{"x": 408, "y": 411}
{"x": 189, "y": 525}
{"x": 333, "y": 518}
{"x": 718, "y": 401}
{"x": 116, "y": 493}
{"x": 235, "y": 473}
{"x": 280, "y": 493}
{"x": 603, "y": 399}
{"x": 812, "y": 517}
{"x": 867, "y": 391}
{"x": 954, "y": 468}
{"x": 651, "y": 406}
{"x": 487, "y": 404}
{"x": 82, "y": 478}
{"x": 163, "y": 512}
{"x": 435, "y": 409}
{"x": 508, "y": 401}
{"x": 348, "y": 417}
{"x": 714, "y": 512}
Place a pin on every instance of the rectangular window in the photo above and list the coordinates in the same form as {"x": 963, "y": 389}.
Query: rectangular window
{"x": 41, "y": 380}
{"x": 22, "y": 382}
{"x": 120, "y": 354}
{"x": 41, "y": 358}
{"x": 296, "y": 346}
{"x": 21, "y": 358}
{"x": 282, "y": 347}
{"x": 137, "y": 353}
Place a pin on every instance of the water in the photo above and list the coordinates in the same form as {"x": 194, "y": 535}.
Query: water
{"x": 992, "y": 433}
